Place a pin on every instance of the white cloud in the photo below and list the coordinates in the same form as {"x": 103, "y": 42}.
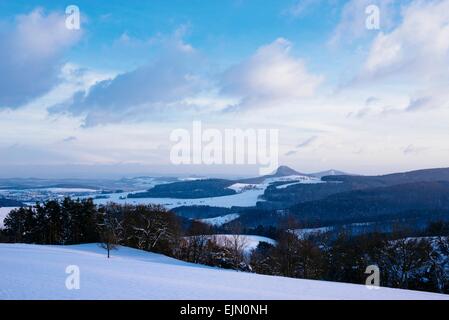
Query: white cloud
{"x": 178, "y": 83}
{"x": 148, "y": 91}
{"x": 300, "y": 7}
{"x": 419, "y": 44}
{"x": 352, "y": 25}
{"x": 413, "y": 150}
{"x": 415, "y": 54}
{"x": 31, "y": 50}
{"x": 271, "y": 73}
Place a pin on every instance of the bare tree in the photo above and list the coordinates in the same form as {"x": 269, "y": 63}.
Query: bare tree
{"x": 109, "y": 230}
{"x": 196, "y": 242}
{"x": 406, "y": 259}
{"x": 236, "y": 243}
{"x": 440, "y": 263}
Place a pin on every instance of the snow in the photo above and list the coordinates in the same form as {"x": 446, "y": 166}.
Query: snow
{"x": 304, "y": 233}
{"x": 67, "y": 190}
{"x": 219, "y": 221}
{"x": 4, "y": 211}
{"x": 295, "y": 178}
{"x": 299, "y": 180}
{"x": 247, "y": 195}
{"x": 248, "y": 242}
{"x": 245, "y": 199}
{"x": 38, "y": 272}
{"x": 240, "y": 187}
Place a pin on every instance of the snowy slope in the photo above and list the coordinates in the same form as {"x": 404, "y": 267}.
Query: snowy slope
{"x": 247, "y": 242}
{"x": 221, "y": 220}
{"x": 247, "y": 195}
{"x": 38, "y": 272}
{"x": 244, "y": 199}
{"x": 304, "y": 233}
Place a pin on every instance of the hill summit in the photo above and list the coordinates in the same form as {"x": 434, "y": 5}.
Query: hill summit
{"x": 283, "y": 171}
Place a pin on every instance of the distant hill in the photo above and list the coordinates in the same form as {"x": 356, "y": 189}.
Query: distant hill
{"x": 377, "y": 202}
{"x": 282, "y": 171}
{"x": 206, "y": 188}
{"x": 330, "y": 172}
{"x": 10, "y": 203}
{"x": 361, "y": 182}
{"x": 191, "y": 189}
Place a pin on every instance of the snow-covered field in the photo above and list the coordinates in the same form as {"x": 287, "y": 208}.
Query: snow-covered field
{"x": 219, "y": 221}
{"x": 304, "y": 233}
{"x": 240, "y": 187}
{"x": 296, "y": 180}
{"x": 247, "y": 242}
{"x": 4, "y": 211}
{"x": 245, "y": 199}
{"x": 247, "y": 195}
{"x": 68, "y": 190}
{"x": 39, "y": 272}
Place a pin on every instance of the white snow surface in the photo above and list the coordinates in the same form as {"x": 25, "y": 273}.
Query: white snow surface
{"x": 248, "y": 242}
{"x": 295, "y": 178}
{"x": 38, "y": 272}
{"x": 240, "y": 187}
{"x": 247, "y": 195}
{"x": 67, "y": 190}
{"x": 304, "y": 233}
{"x": 221, "y": 220}
{"x": 244, "y": 199}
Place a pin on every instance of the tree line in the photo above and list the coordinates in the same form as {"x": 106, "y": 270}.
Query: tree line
{"x": 419, "y": 263}
{"x": 415, "y": 263}
{"x": 145, "y": 227}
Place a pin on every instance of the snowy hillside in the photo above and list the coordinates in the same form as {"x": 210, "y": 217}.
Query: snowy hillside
{"x": 38, "y": 272}
{"x": 248, "y": 243}
{"x": 221, "y": 220}
{"x": 248, "y": 194}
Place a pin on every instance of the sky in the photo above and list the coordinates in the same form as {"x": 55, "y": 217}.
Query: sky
{"x": 104, "y": 99}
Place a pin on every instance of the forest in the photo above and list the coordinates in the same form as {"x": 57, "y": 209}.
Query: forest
{"x": 406, "y": 258}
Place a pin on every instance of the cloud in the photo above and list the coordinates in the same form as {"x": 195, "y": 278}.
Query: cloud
{"x": 411, "y": 150}
{"x": 31, "y": 52}
{"x": 352, "y": 25}
{"x": 429, "y": 100}
{"x": 290, "y": 153}
{"x": 363, "y": 112}
{"x": 307, "y": 142}
{"x": 415, "y": 54}
{"x": 371, "y": 101}
{"x": 178, "y": 81}
{"x": 420, "y": 44}
{"x": 419, "y": 103}
{"x": 300, "y": 7}
{"x": 160, "y": 85}
{"x": 301, "y": 145}
{"x": 272, "y": 73}
{"x": 69, "y": 139}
